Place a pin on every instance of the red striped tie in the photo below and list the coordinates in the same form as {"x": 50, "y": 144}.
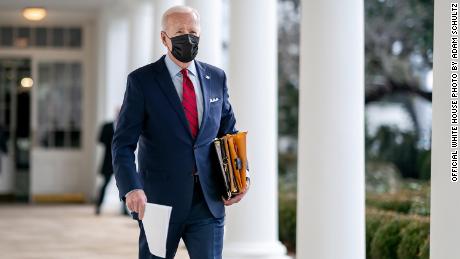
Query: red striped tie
{"x": 189, "y": 102}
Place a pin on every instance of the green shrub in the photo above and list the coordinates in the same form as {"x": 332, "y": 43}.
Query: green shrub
{"x": 391, "y": 235}
{"x": 372, "y": 224}
{"x": 406, "y": 201}
{"x": 424, "y": 164}
{"x": 413, "y": 238}
{"x": 374, "y": 220}
{"x": 287, "y": 221}
{"x": 425, "y": 249}
{"x": 387, "y": 215}
{"x": 387, "y": 238}
{"x": 390, "y": 204}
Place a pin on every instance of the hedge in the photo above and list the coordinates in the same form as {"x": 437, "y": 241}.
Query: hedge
{"x": 287, "y": 221}
{"x": 414, "y": 238}
{"x": 406, "y": 202}
{"x": 391, "y": 235}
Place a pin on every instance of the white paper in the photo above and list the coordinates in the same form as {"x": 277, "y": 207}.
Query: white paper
{"x": 156, "y": 225}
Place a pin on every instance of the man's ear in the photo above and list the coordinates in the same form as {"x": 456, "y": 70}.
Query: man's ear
{"x": 163, "y": 38}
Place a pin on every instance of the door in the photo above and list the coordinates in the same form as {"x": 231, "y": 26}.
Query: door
{"x": 57, "y": 152}
{"x": 15, "y": 141}
{"x": 50, "y": 120}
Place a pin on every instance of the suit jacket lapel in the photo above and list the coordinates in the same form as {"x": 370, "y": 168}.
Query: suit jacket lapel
{"x": 205, "y": 84}
{"x": 169, "y": 90}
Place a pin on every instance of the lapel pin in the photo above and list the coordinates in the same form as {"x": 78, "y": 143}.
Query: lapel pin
{"x": 207, "y": 77}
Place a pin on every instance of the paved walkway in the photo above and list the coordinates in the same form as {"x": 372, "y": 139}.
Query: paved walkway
{"x": 67, "y": 232}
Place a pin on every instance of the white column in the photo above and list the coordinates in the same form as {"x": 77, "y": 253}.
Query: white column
{"x": 114, "y": 42}
{"x": 445, "y": 211}
{"x": 141, "y": 33}
{"x": 210, "y": 49}
{"x": 117, "y": 62}
{"x": 252, "y": 225}
{"x": 102, "y": 41}
{"x": 160, "y": 6}
{"x": 330, "y": 198}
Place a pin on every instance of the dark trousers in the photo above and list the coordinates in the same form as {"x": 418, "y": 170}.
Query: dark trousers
{"x": 202, "y": 233}
{"x": 100, "y": 198}
{"x": 102, "y": 190}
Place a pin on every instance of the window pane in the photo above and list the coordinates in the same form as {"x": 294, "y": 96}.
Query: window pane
{"x": 59, "y": 138}
{"x": 58, "y": 37}
{"x": 44, "y": 104}
{"x": 6, "y": 36}
{"x": 75, "y": 137}
{"x": 22, "y": 37}
{"x": 59, "y": 99}
{"x": 75, "y": 38}
{"x": 41, "y": 37}
{"x": 61, "y": 78}
{"x": 75, "y": 96}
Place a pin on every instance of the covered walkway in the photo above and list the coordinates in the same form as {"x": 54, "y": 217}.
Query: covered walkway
{"x": 67, "y": 232}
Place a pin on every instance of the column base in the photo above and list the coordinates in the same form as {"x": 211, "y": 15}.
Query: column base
{"x": 252, "y": 250}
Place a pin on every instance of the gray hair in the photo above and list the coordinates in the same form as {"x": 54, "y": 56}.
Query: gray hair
{"x": 178, "y": 9}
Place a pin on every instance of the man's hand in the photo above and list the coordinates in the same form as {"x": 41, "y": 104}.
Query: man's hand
{"x": 135, "y": 201}
{"x": 237, "y": 198}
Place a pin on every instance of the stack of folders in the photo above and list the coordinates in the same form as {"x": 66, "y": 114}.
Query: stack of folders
{"x": 231, "y": 155}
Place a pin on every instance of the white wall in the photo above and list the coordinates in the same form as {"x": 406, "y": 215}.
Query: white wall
{"x": 160, "y": 7}
{"x": 445, "y": 209}
{"x": 141, "y": 18}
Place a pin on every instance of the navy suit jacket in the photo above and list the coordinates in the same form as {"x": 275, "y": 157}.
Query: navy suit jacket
{"x": 152, "y": 114}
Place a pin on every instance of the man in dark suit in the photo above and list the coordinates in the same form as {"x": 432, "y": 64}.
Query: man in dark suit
{"x": 175, "y": 107}
{"x": 105, "y": 138}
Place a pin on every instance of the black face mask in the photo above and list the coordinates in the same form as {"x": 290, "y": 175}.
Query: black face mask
{"x": 184, "y": 47}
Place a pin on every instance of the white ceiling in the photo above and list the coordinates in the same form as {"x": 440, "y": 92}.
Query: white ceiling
{"x": 79, "y": 5}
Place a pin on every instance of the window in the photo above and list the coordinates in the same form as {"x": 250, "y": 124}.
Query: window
{"x": 53, "y": 37}
{"x": 58, "y": 37}
{"x": 6, "y": 36}
{"x": 22, "y": 38}
{"x": 59, "y": 104}
{"x": 74, "y": 37}
{"x": 41, "y": 37}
